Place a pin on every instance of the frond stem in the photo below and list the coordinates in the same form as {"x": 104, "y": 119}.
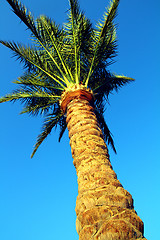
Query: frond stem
{"x": 59, "y": 55}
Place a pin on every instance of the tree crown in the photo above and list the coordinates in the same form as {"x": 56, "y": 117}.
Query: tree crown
{"x": 62, "y": 59}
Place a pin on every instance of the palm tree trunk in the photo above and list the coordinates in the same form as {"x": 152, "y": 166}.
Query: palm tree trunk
{"x": 104, "y": 208}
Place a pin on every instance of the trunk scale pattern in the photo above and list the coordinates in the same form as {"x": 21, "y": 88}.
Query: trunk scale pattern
{"x": 104, "y": 208}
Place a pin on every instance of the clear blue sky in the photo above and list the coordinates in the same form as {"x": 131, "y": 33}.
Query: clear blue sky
{"x": 38, "y": 196}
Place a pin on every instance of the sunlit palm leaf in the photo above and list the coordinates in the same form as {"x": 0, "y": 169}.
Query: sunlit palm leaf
{"x": 49, "y": 123}
{"x": 103, "y": 82}
{"x": 105, "y": 130}
{"x": 49, "y": 31}
{"x": 37, "y": 106}
{"x": 20, "y": 10}
{"x": 38, "y": 79}
{"x": 63, "y": 126}
{"x": 74, "y": 14}
{"x": 61, "y": 57}
{"x": 105, "y": 39}
{"x": 26, "y": 16}
{"x": 34, "y": 59}
{"x": 24, "y": 95}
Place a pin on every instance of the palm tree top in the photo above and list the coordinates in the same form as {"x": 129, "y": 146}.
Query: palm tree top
{"x": 61, "y": 60}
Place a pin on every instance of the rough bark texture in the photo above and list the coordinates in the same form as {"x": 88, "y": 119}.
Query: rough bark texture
{"x": 104, "y": 208}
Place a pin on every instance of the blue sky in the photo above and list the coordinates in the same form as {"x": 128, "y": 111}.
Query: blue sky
{"x": 38, "y": 196}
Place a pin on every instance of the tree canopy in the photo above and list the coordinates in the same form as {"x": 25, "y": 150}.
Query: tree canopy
{"x": 65, "y": 58}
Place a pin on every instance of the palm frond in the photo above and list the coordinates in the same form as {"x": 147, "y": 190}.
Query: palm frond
{"x": 23, "y": 95}
{"x": 79, "y": 33}
{"x": 73, "y": 17}
{"x": 37, "y": 28}
{"x": 34, "y": 59}
{"x": 50, "y": 122}
{"x": 51, "y": 36}
{"x": 25, "y": 16}
{"x": 39, "y": 80}
{"x": 37, "y": 106}
{"x": 105, "y": 130}
{"x": 103, "y": 82}
{"x": 105, "y": 39}
{"x": 36, "y": 95}
{"x": 60, "y": 57}
{"x": 119, "y": 81}
{"x": 63, "y": 126}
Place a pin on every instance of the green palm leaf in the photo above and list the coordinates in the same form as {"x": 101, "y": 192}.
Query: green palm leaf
{"x": 105, "y": 130}
{"x": 34, "y": 59}
{"x": 63, "y": 126}
{"x": 51, "y": 38}
{"x": 22, "y": 95}
{"x": 61, "y": 59}
{"x": 20, "y": 10}
{"x": 104, "y": 38}
{"x": 39, "y": 80}
{"x": 38, "y": 31}
{"x": 104, "y": 83}
{"x": 74, "y": 14}
{"x": 50, "y": 122}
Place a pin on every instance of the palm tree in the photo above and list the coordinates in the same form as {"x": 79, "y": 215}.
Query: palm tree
{"x": 66, "y": 80}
